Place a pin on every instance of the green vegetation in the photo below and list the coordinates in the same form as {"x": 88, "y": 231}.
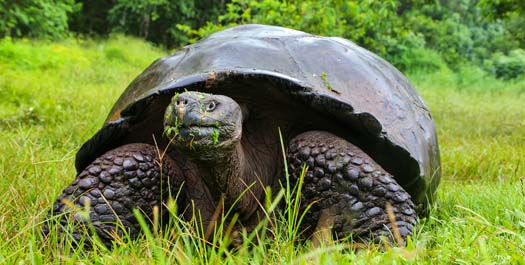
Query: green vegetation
{"x": 55, "y": 95}
{"x": 411, "y": 34}
{"x": 215, "y": 136}
{"x": 466, "y": 57}
{"x": 154, "y": 20}
{"x": 36, "y": 18}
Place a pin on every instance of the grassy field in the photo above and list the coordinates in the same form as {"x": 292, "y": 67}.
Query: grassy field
{"x": 54, "y": 96}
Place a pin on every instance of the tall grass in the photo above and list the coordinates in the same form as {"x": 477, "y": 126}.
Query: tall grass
{"x": 480, "y": 122}
{"x": 55, "y": 95}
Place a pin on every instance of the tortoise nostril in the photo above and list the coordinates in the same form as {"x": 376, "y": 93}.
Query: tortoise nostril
{"x": 185, "y": 102}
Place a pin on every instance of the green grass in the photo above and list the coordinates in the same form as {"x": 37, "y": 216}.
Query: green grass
{"x": 54, "y": 96}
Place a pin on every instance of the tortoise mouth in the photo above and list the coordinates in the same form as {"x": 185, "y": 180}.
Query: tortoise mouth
{"x": 202, "y": 142}
{"x": 193, "y": 136}
{"x": 197, "y": 132}
{"x": 195, "y": 127}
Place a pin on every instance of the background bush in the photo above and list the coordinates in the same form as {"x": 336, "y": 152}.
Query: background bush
{"x": 36, "y": 18}
{"x": 409, "y": 33}
{"x": 153, "y": 20}
{"x": 508, "y": 66}
{"x": 415, "y": 35}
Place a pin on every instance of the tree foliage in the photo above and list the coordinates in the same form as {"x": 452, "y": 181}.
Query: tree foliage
{"x": 35, "y": 18}
{"x": 412, "y": 34}
{"x": 153, "y": 20}
{"x": 511, "y": 12}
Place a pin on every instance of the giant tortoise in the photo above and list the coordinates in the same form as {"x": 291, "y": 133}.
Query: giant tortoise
{"x": 205, "y": 125}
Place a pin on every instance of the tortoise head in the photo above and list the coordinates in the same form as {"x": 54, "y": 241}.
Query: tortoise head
{"x": 198, "y": 124}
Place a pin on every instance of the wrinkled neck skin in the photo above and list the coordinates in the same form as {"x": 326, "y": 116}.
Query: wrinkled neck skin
{"x": 234, "y": 173}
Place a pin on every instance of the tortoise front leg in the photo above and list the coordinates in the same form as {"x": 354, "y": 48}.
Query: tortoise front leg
{"x": 348, "y": 191}
{"x": 113, "y": 185}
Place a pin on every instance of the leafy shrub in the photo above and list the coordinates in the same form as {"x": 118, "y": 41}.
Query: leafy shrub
{"x": 372, "y": 24}
{"x": 419, "y": 60}
{"x": 409, "y": 33}
{"x": 153, "y": 20}
{"x": 508, "y": 66}
{"x": 35, "y": 18}
{"x": 403, "y": 32}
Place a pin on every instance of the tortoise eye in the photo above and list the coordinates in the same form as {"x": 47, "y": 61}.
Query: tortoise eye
{"x": 211, "y": 106}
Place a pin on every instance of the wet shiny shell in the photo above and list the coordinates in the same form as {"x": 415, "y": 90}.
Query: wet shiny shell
{"x": 329, "y": 74}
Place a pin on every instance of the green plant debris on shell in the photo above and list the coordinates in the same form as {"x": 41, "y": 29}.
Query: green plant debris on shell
{"x": 324, "y": 77}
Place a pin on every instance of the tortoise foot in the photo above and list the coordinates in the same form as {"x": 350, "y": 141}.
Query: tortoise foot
{"x": 348, "y": 192}
{"x": 117, "y": 182}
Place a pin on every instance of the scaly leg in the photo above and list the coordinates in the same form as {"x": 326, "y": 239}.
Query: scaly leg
{"x": 347, "y": 189}
{"x": 113, "y": 185}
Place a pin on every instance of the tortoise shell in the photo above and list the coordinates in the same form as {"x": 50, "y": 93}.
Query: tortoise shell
{"x": 329, "y": 83}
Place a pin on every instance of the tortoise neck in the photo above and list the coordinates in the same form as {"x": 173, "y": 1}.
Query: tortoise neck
{"x": 226, "y": 166}
{"x": 234, "y": 177}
